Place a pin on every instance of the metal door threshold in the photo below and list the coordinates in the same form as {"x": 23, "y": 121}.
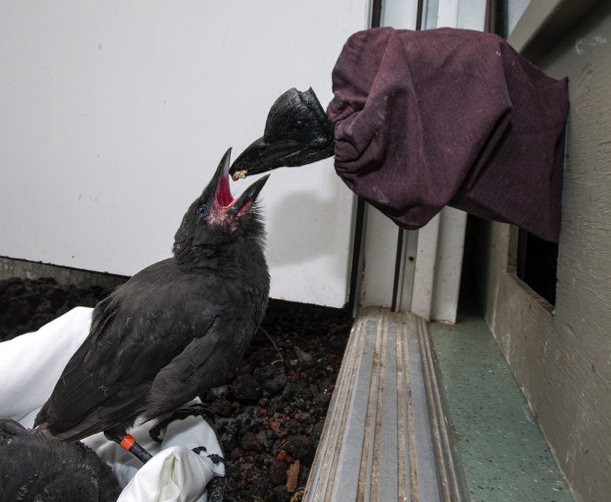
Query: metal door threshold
{"x": 386, "y": 436}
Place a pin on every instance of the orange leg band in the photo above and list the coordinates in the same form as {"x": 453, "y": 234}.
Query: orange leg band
{"x": 127, "y": 442}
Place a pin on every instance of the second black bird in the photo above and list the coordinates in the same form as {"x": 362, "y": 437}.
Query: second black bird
{"x": 176, "y": 328}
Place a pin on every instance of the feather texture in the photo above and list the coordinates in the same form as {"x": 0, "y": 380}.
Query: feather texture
{"x": 175, "y": 329}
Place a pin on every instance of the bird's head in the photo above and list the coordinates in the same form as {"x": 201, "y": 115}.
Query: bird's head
{"x": 216, "y": 219}
{"x": 297, "y": 132}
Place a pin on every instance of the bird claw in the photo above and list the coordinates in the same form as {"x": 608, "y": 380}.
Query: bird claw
{"x": 216, "y": 458}
{"x": 156, "y": 432}
{"x": 192, "y": 410}
{"x": 199, "y": 449}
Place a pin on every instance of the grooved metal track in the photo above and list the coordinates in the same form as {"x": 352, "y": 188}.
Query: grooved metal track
{"x": 385, "y": 436}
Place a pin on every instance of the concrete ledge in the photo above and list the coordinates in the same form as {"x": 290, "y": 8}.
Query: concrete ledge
{"x": 385, "y": 436}
{"x": 13, "y": 267}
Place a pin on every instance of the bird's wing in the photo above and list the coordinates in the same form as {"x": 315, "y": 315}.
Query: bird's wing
{"x": 205, "y": 363}
{"x": 107, "y": 379}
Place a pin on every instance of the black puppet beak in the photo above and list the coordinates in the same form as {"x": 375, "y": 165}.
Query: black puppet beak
{"x": 297, "y": 132}
{"x": 262, "y": 156}
{"x": 222, "y": 194}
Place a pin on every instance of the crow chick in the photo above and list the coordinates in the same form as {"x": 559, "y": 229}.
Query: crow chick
{"x": 35, "y": 467}
{"x": 297, "y": 132}
{"x": 176, "y": 328}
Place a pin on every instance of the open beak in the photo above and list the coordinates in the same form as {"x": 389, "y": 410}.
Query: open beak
{"x": 223, "y": 198}
{"x": 250, "y": 194}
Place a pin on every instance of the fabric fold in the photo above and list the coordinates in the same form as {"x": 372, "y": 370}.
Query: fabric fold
{"x": 425, "y": 119}
{"x": 30, "y": 365}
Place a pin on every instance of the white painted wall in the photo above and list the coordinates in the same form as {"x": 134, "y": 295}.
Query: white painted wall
{"x": 114, "y": 114}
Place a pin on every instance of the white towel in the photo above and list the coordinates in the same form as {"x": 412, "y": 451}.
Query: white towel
{"x": 29, "y": 367}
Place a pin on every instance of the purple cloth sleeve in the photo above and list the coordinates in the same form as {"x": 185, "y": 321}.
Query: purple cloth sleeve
{"x": 425, "y": 119}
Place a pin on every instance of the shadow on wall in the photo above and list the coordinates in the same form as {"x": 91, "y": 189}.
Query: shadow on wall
{"x": 286, "y": 222}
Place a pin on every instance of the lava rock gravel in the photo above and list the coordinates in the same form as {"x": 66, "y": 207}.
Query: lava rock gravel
{"x": 269, "y": 416}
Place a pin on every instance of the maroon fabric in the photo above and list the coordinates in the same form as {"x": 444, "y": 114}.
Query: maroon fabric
{"x": 425, "y": 119}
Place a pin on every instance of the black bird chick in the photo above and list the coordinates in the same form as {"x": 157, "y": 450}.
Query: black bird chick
{"x": 176, "y": 328}
{"x": 297, "y": 132}
{"x": 35, "y": 467}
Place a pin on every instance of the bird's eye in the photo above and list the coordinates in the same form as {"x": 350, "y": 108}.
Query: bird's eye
{"x": 298, "y": 126}
{"x": 203, "y": 211}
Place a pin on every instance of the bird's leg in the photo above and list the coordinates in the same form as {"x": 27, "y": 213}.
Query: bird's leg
{"x": 191, "y": 410}
{"x": 128, "y": 443}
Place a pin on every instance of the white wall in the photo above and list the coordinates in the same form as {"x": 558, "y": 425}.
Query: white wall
{"x": 114, "y": 114}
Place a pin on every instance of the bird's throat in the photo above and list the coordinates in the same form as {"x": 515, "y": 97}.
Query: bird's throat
{"x": 223, "y": 193}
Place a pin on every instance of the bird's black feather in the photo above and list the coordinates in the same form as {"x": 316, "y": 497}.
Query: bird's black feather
{"x": 37, "y": 467}
{"x": 174, "y": 329}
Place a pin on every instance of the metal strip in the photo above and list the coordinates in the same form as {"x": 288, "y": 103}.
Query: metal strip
{"x": 331, "y": 438}
{"x": 413, "y": 471}
{"x": 450, "y": 476}
{"x": 376, "y": 410}
{"x": 404, "y": 397}
{"x": 385, "y": 438}
{"x": 365, "y": 471}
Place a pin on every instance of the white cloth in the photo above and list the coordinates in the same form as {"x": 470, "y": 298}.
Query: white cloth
{"x": 29, "y": 367}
